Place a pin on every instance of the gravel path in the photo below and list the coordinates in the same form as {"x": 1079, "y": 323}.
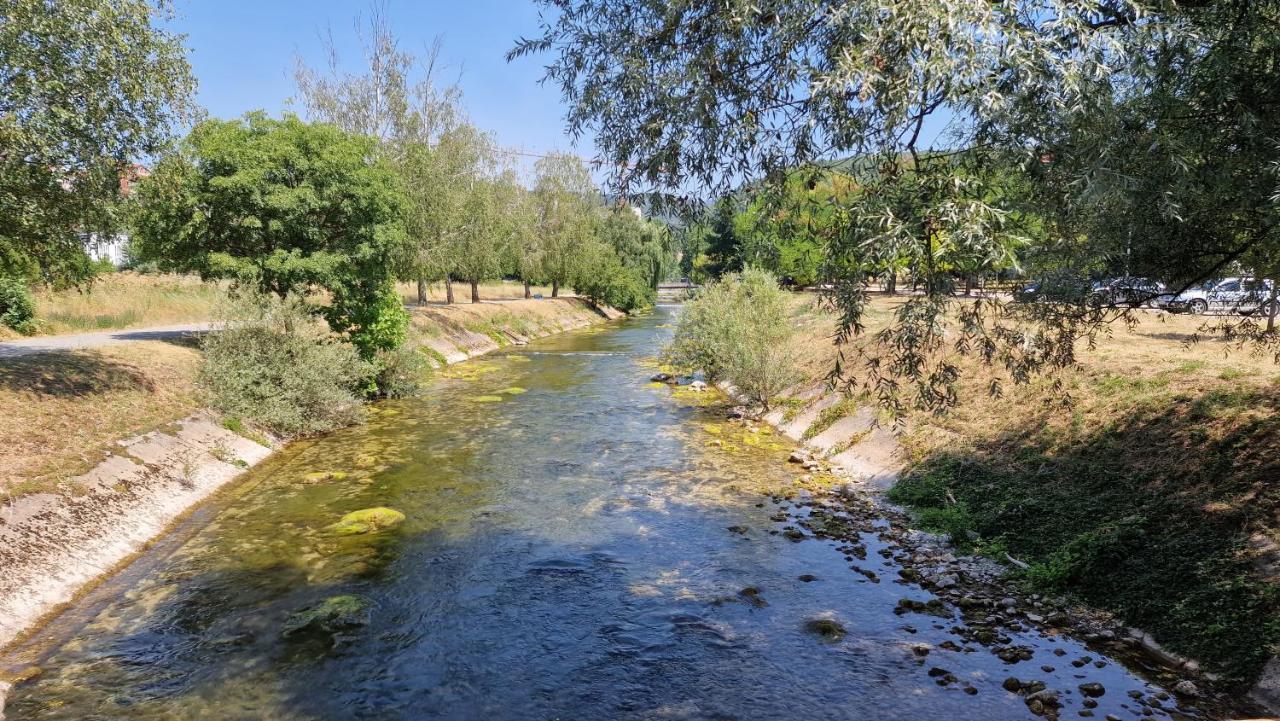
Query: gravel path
{"x": 79, "y": 341}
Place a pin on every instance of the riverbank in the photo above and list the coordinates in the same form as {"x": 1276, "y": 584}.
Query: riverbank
{"x": 1146, "y": 499}
{"x": 106, "y": 493}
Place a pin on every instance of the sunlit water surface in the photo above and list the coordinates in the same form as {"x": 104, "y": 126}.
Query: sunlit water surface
{"x": 567, "y": 554}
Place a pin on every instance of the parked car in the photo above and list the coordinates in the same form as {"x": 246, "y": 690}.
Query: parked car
{"x": 1127, "y": 290}
{"x": 1057, "y": 288}
{"x": 1224, "y": 295}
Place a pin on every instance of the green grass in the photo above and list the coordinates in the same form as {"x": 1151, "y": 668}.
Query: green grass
{"x": 1147, "y": 514}
{"x": 827, "y": 417}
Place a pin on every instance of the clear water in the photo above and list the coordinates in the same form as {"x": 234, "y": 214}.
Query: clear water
{"x": 567, "y": 554}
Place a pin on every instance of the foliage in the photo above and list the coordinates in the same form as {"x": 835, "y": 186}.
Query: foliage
{"x": 484, "y": 241}
{"x": 738, "y": 329}
{"x": 274, "y": 366}
{"x": 86, "y": 87}
{"x": 285, "y": 207}
{"x": 606, "y": 281}
{"x": 1143, "y": 133}
{"x": 565, "y": 196}
{"x": 401, "y": 370}
{"x": 17, "y": 307}
{"x": 645, "y": 246}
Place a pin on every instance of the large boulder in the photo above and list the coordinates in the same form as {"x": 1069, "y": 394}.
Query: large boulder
{"x": 368, "y": 520}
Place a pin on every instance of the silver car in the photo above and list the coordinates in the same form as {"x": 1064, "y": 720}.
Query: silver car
{"x": 1223, "y": 295}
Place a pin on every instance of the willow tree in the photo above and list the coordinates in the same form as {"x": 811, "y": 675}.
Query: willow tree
{"x": 567, "y": 198}
{"x": 1140, "y": 123}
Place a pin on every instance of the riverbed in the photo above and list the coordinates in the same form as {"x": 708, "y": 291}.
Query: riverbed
{"x": 578, "y": 543}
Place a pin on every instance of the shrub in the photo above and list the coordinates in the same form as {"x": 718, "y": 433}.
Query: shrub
{"x": 400, "y": 372}
{"x": 609, "y": 282}
{"x": 738, "y": 329}
{"x": 274, "y": 365}
{"x": 17, "y": 307}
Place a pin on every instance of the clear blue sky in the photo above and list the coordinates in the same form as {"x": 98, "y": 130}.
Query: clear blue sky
{"x": 242, "y": 52}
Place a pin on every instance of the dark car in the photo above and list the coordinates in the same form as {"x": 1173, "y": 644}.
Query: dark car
{"x": 1127, "y": 290}
{"x": 1056, "y": 288}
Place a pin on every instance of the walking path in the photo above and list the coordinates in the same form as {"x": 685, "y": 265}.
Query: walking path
{"x": 97, "y": 339}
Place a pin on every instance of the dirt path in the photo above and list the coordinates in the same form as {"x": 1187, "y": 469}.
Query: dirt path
{"x": 79, "y": 341}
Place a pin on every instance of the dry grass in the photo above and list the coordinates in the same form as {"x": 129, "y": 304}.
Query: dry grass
{"x": 1143, "y": 484}
{"x": 59, "y": 411}
{"x": 126, "y": 300}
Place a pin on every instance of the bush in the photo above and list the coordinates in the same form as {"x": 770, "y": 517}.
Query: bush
{"x": 17, "y": 307}
{"x": 738, "y": 329}
{"x": 400, "y": 372}
{"x": 273, "y": 364}
{"x": 609, "y": 282}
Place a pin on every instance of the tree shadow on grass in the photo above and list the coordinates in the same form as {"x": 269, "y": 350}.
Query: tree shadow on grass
{"x": 70, "y": 375}
{"x": 1149, "y": 516}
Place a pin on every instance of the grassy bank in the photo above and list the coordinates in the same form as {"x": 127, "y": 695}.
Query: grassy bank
{"x": 1150, "y": 495}
{"x": 60, "y": 413}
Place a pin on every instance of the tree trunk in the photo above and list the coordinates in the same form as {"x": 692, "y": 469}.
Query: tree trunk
{"x": 448, "y": 290}
{"x": 555, "y": 289}
{"x": 968, "y": 284}
{"x": 475, "y": 292}
{"x": 528, "y": 293}
{"x": 1271, "y": 307}
{"x": 891, "y": 283}
{"x": 422, "y": 291}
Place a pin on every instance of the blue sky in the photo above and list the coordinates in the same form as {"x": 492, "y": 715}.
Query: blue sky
{"x": 242, "y": 52}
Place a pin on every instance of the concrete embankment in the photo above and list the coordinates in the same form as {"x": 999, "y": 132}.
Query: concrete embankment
{"x": 54, "y": 546}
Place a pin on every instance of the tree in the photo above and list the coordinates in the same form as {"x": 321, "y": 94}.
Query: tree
{"x": 421, "y": 132}
{"x": 287, "y": 207}
{"x": 1137, "y": 123}
{"x": 484, "y": 242}
{"x": 738, "y": 329}
{"x": 566, "y": 196}
{"x": 526, "y": 246}
{"x": 87, "y": 87}
{"x": 642, "y": 245}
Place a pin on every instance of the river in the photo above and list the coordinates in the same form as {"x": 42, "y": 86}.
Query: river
{"x": 578, "y": 544}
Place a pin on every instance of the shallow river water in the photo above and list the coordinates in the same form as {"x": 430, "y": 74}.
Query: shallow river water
{"x": 581, "y": 550}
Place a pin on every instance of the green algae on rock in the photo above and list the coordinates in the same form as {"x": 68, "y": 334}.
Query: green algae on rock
{"x": 513, "y": 391}
{"x": 332, "y": 615}
{"x": 487, "y": 399}
{"x": 367, "y": 520}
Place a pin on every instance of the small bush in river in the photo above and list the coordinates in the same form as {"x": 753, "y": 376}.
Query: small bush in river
{"x": 17, "y": 308}
{"x": 738, "y": 329}
{"x": 275, "y": 366}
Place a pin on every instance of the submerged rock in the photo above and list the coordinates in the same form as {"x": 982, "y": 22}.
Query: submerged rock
{"x": 332, "y": 615}
{"x": 513, "y": 391}
{"x": 367, "y": 520}
{"x": 830, "y": 631}
{"x": 486, "y": 399}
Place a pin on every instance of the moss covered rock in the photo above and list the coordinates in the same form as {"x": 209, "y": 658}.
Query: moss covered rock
{"x": 368, "y": 520}
{"x": 332, "y": 615}
{"x": 513, "y": 391}
{"x": 487, "y": 399}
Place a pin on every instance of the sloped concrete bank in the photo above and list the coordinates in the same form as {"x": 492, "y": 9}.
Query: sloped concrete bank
{"x": 865, "y": 453}
{"x": 54, "y": 547}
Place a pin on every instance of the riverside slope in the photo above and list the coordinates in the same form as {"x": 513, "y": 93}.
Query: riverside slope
{"x": 55, "y": 546}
